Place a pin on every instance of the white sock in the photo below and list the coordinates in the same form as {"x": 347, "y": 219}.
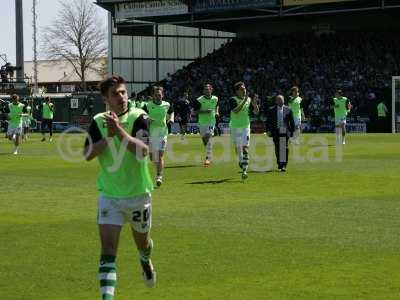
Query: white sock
{"x": 296, "y": 136}
{"x": 338, "y": 135}
{"x": 240, "y": 156}
{"x": 209, "y": 150}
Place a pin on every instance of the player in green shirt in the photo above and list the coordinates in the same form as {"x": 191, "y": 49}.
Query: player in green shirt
{"x": 135, "y": 101}
{"x": 241, "y": 107}
{"x": 16, "y": 111}
{"x": 118, "y": 139}
{"x": 295, "y": 105}
{"x": 382, "y": 113}
{"x": 206, "y": 107}
{"x": 140, "y": 102}
{"x": 342, "y": 107}
{"x": 160, "y": 113}
{"x": 47, "y": 108}
{"x": 26, "y": 120}
{"x": 132, "y": 100}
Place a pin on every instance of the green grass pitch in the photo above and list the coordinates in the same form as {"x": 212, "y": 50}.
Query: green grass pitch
{"x": 324, "y": 230}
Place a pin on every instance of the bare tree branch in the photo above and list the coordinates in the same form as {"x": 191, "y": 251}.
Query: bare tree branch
{"x": 76, "y": 35}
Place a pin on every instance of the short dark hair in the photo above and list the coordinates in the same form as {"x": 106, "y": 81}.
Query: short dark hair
{"x": 237, "y": 85}
{"x": 133, "y": 95}
{"x": 110, "y": 82}
{"x": 156, "y": 88}
{"x": 294, "y": 89}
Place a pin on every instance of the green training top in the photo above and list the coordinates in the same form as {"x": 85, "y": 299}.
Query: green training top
{"x": 381, "y": 110}
{"x": 294, "y": 104}
{"x": 242, "y": 118}
{"x": 15, "y": 114}
{"x": 28, "y": 115}
{"x": 158, "y": 112}
{"x": 140, "y": 104}
{"x": 47, "y": 112}
{"x": 341, "y": 109}
{"x": 122, "y": 176}
{"x": 205, "y": 104}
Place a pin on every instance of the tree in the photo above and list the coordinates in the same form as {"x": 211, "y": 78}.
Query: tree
{"x": 76, "y": 35}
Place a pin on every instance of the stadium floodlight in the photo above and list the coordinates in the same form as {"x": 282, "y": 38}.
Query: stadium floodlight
{"x": 35, "y": 52}
{"x": 395, "y": 104}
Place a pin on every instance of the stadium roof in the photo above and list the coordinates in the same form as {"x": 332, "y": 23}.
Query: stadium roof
{"x": 227, "y": 15}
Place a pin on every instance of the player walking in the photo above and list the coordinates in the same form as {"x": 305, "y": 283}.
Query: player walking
{"x": 241, "y": 107}
{"x": 342, "y": 107}
{"x": 124, "y": 182}
{"x": 182, "y": 109}
{"x": 47, "y": 109}
{"x": 15, "y": 111}
{"x": 295, "y": 105}
{"x": 206, "y": 107}
{"x": 160, "y": 113}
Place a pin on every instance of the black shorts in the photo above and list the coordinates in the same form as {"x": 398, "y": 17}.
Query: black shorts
{"x": 47, "y": 123}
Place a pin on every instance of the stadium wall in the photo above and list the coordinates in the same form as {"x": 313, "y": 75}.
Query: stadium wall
{"x": 146, "y": 59}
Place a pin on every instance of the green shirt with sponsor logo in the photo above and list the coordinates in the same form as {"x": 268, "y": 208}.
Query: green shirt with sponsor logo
{"x": 47, "y": 111}
{"x": 340, "y": 108}
{"x": 207, "y": 104}
{"x": 240, "y": 119}
{"x": 158, "y": 112}
{"x": 295, "y": 106}
{"x": 122, "y": 174}
{"x": 15, "y": 118}
{"x": 382, "y": 110}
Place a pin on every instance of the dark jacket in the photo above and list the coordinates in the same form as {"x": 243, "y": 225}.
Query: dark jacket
{"x": 288, "y": 121}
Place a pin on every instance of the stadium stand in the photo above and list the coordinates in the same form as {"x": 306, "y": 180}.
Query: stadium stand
{"x": 360, "y": 63}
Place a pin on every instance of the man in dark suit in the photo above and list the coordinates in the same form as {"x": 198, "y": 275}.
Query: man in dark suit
{"x": 280, "y": 126}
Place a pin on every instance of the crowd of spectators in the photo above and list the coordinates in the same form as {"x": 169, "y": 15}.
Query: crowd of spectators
{"x": 361, "y": 64}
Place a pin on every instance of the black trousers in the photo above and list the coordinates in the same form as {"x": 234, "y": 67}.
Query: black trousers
{"x": 281, "y": 142}
{"x": 49, "y": 124}
{"x": 169, "y": 127}
{"x": 217, "y": 129}
{"x": 382, "y": 125}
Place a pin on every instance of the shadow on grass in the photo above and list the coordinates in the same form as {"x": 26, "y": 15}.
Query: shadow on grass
{"x": 211, "y": 181}
{"x": 261, "y": 172}
{"x": 181, "y": 167}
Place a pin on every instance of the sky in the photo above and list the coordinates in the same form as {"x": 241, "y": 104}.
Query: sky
{"x": 46, "y": 11}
